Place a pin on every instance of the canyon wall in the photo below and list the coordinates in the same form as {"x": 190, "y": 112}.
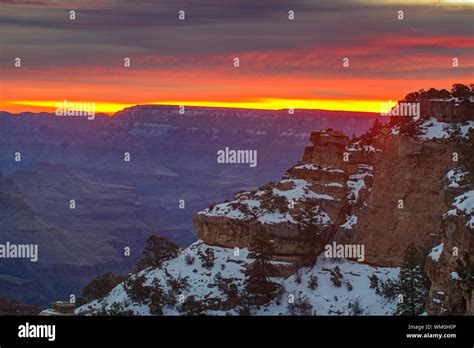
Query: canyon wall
{"x": 384, "y": 195}
{"x": 383, "y": 190}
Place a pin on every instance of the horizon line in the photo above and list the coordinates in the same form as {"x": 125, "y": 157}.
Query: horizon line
{"x": 110, "y": 109}
{"x": 106, "y": 114}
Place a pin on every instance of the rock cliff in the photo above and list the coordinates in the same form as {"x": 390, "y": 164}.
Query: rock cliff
{"x": 300, "y": 212}
{"x": 449, "y": 265}
{"x": 384, "y": 190}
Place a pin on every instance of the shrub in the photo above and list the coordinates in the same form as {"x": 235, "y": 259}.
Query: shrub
{"x": 117, "y": 310}
{"x": 189, "y": 259}
{"x": 191, "y": 307}
{"x": 177, "y": 285}
{"x": 301, "y": 306}
{"x": 157, "y": 298}
{"x": 158, "y": 250}
{"x": 298, "y": 277}
{"x": 374, "y": 281}
{"x": 336, "y": 276}
{"x": 207, "y": 258}
{"x": 356, "y": 307}
{"x": 313, "y": 282}
{"x": 388, "y": 288}
{"x": 99, "y": 287}
{"x": 136, "y": 289}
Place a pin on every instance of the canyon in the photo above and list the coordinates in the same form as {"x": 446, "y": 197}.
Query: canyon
{"x": 383, "y": 190}
{"x": 120, "y": 204}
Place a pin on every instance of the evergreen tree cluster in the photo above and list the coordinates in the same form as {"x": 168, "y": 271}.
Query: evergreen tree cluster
{"x": 458, "y": 90}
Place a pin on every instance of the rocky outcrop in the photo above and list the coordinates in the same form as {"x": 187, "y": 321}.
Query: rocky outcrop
{"x": 10, "y": 307}
{"x": 406, "y": 201}
{"x": 59, "y": 308}
{"x": 384, "y": 196}
{"x": 300, "y": 213}
{"x": 383, "y": 190}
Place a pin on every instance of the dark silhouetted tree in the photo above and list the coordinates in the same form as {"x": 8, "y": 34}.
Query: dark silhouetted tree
{"x": 157, "y": 250}
{"x": 413, "y": 284}
{"x": 415, "y": 96}
{"x": 460, "y": 91}
{"x": 258, "y": 273}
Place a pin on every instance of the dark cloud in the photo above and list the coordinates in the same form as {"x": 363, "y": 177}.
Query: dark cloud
{"x": 107, "y": 30}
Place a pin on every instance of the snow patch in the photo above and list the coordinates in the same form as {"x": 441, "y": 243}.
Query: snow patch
{"x": 351, "y": 221}
{"x": 436, "y": 252}
{"x": 465, "y": 204}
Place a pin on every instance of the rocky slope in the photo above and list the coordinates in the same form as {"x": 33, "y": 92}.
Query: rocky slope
{"x": 216, "y": 290}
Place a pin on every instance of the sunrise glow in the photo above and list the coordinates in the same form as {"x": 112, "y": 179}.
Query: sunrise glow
{"x": 302, "y": 63}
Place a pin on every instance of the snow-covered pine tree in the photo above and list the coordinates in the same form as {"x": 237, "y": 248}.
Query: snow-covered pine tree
{"x": 414, "y": 284}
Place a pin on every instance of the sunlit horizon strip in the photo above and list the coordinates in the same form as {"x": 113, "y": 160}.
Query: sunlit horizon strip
{"x": 261, "y": 104}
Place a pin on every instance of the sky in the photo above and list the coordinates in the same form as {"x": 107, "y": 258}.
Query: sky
{"x": 282, "y": 63}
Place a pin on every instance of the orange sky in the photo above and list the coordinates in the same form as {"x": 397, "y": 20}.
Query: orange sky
{"x": 282, "y": 64}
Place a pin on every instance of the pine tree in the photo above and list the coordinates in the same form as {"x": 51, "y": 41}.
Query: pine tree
{"x": 258, "y": 273}
{"x": 414, "y": 284}
{"x": 376, "y": 128}
{"x": 158, "y": 250}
